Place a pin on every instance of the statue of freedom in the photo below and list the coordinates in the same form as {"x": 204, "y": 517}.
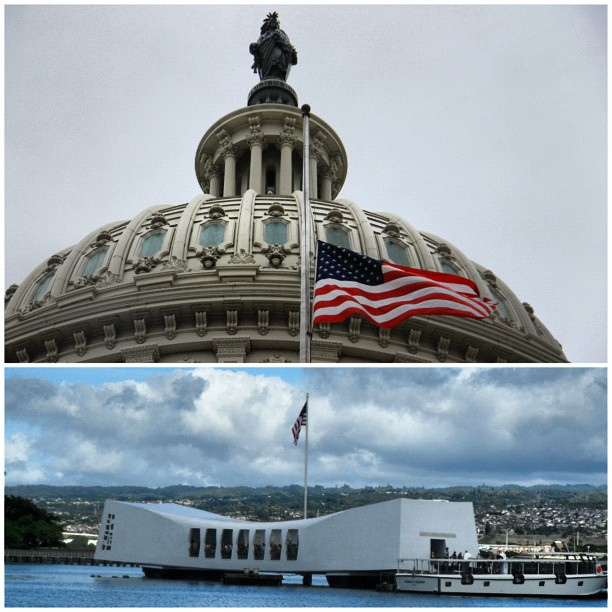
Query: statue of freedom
{"x": 273, "y": 53}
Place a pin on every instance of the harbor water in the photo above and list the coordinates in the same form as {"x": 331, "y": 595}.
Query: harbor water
{"x": 73, "y": 586}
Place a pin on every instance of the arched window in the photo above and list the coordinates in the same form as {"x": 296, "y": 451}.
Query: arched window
{"x": 94, "y": 261}
{"x": 43, "y": 287}
{"x": 212, "y": 234}
{"x": 397, "y": 253}
{"x": 448, "y": 267}
{"x": 337, "y": 236}
{"x": 501, "y": 308}
{"x": 152, "y": 244}
{"x": 275, "y": 232}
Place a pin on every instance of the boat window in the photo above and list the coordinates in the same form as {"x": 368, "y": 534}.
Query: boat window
{"x": 542, "y": 583}
{"x": 291, "y": 544}
{"x": 227, "y": 543}
{"x": 259, "y": 544}
{"x": 275, "y": 545}
{"x": 486, "y": 583}
{"x": 210, "y": 543}
{"x": 447, "y": 583}
{"x": 243, "y": 544}
{"x": 194, "y": 542}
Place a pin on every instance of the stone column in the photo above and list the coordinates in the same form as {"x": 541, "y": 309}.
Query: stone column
{"x": 287, "y": 141}
{"x": 316, "y": 153}
{"x": 255, "y": 140}
{"x": 229, "y": 180}
{"x": 229, "y": 155}
{"x": 215, "y": 183}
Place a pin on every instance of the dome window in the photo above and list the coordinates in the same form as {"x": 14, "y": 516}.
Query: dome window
{"x": 502, "y": 309}
{"x": 43, "y": 287}
{"x": 275, "y": 232}
{"x": 449, "y": 268}
{"x": 94, "y": 261}
{"x": 397, "y": 253}
{"x": 151, "y": 244}
{"x": 212, "y": 234}
{"x": 337, "y": 236}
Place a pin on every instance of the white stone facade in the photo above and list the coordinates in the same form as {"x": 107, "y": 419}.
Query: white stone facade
{"x": 217, "y": 280}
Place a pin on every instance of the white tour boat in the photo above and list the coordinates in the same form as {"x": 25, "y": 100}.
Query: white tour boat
{"x": 534, "y": 575}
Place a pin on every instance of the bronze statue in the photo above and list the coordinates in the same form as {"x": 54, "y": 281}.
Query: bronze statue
{"x": 273, "y": 53}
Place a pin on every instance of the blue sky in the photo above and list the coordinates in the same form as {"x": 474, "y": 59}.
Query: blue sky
{"x": 367, "y": 426}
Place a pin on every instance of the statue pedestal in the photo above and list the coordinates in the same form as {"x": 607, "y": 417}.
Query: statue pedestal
{"x": 272, "y": 91}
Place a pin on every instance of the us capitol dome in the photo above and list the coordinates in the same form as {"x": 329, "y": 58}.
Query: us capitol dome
{"x": 217, "y": 279}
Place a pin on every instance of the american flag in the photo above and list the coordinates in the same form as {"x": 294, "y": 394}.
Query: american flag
{"x": 349, "y": 283}
{"x": 302, "y": 421}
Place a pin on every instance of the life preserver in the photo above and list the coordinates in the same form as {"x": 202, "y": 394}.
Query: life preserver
{"x": 599, "y": 569}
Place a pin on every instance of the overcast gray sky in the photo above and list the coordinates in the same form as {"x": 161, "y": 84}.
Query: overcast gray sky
{"x": 368, "y": 426}
{"x": 485, "y": 125}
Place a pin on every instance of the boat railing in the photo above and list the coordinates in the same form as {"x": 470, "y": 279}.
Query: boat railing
{"x": 514, "y": 566}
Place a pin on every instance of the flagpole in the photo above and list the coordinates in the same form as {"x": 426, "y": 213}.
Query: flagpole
{"x": 306, "y": 460}
{"x": 305, "y": 316}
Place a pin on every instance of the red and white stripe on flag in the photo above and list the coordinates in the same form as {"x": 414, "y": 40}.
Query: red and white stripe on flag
{"x": 301, "y": 421}
{"x": 350, "y": 283}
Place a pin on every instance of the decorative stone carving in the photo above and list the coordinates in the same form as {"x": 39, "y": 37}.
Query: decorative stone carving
{"x": 414, "y": 337}
{"x": 318, "y": 144}
{"x": 471, "y": 354}
{"x": 175, "y": 264}
{"x": 324, "y": 330}
{"x": 354, "y": 328}
{"x": 80, "y": 343}
{"x": 442, "y": 349}
{"x": 85, "y": 281}
{"x": 227, "y": 146}
{"x": 294, "y": 322}
{"x": 275, "y": 253}
{"x": 325, "y": 351}
{"x": 255, "y": 135}
{"x": 107, "y": 279}
{"x": 276, "y": 358}
{"x": 10, "y": 292}
{"x": 263, "y": 322}
{"x": 335, "y": 216}
{"x": 158, "y": 220}
{"x": 53, "y": 262}
{"x": 52, "y": 350}
{"x": 231, "y": 326}
{"x": 235, "y": 349}
{"x": 145, "y": 264}
{"x": 489, "y": 277}
{"x": 276, "y": 210}
{"x": 102, "y": 238}
{"x": 242, "y": 257}
{"x": 392, "y": 229}
{"x": 201, "y": 323}
{"x": 22, "y": 355}
{"x": 287, "y": 134}
{"x": 384, "y": 336}
{"x": 216, "y": 211}
{"x": 209, "y": 256}
{"x": 140, "y": 330}
{"x": 170, "y": 326}
{"x": 141, "y": 354}
{"x": 110, "y": 336}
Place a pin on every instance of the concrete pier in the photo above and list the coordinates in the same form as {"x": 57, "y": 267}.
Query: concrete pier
{"x": 59, "y": 556}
